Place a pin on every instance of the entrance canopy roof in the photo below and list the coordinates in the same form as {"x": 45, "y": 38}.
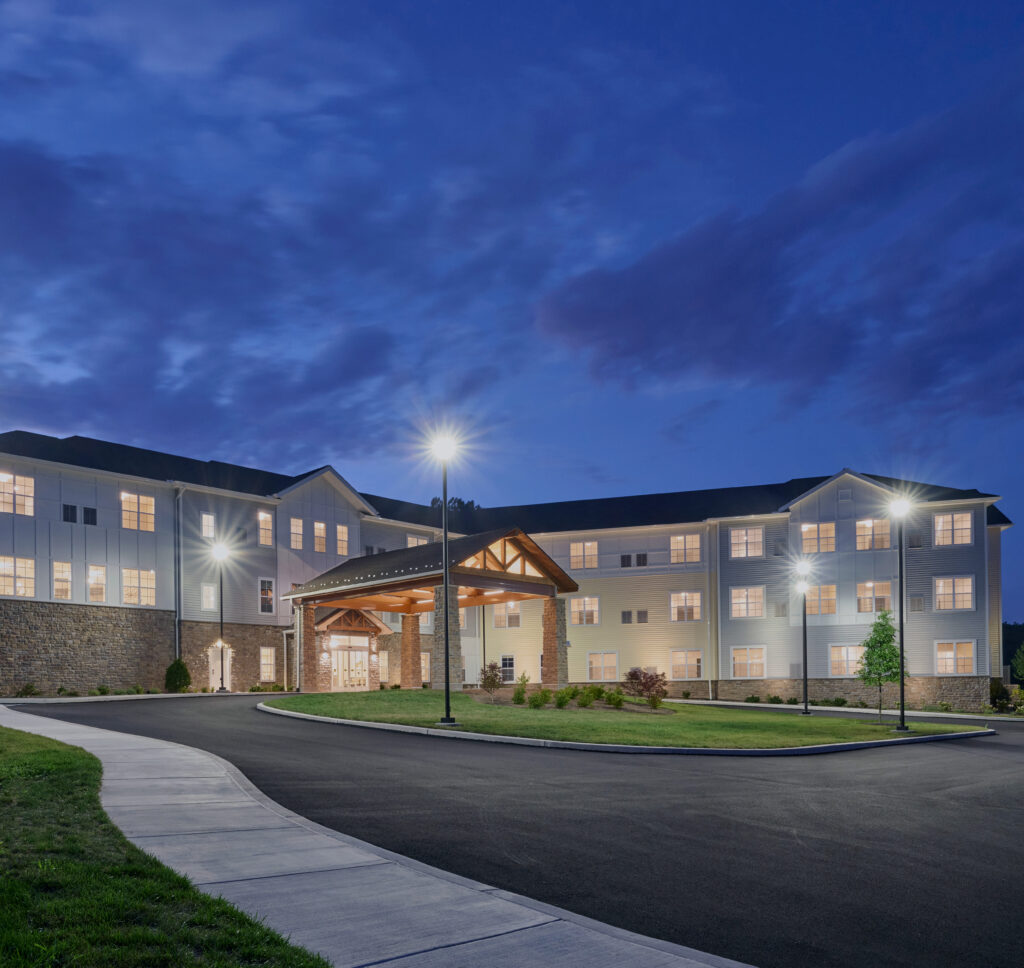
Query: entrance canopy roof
{"x": 504, "y": 565}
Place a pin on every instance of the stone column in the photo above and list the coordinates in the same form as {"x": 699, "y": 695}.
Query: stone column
{"x": 410, "y": 675}
{"x": 316, "y": 664}
{"x": 373, "y": 670}
{"x": 454, "y": 640}
{"x": 556, "y": 658}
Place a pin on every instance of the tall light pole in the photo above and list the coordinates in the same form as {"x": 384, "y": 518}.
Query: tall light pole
{"x": 220, "y": 553}
{"x": 444, "y": 448}
{"x": 803, "y": 569}
{"x": 899, "y": 508}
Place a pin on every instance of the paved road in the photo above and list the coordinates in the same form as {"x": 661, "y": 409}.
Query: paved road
{"x": 905, "y": 857}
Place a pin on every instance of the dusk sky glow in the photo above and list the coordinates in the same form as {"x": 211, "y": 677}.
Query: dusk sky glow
{"x": 620, "y": 247}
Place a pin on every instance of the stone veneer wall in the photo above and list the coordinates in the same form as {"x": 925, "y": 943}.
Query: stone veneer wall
{"x": 245, "y": 641}
{"x": 81, "y": 647}
{"x": 392, "y": 645}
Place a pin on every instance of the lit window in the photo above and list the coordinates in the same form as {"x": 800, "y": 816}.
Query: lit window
{"x": 874, "y": 596}
{"x": 17, "y": 494}
{"x": 267, "y": 665}
{"x": 818, "y": 537}
{"x": 508, "y": 668}
{"x": 602, "y": 666}
{"x": 319, "y": 536}
{"x": 414, "y": 540}
{"x": 209, "y": 597}
{"x": 506, "y": 615}
{"x": 266, "y": 596}
{"x": 97, "y": 583}
{"x": 746, "y": 542}
{"x": 583, "y": 554}
{"x": 584, "y": 611}
{"x": 685, "y": 607}
{"x": 138, "y": 586}
{"x": 138, "y": 511}
{"x": 686, "y": 664}
{"x": 297, "y": 534}
{"x": 844, "y": 660}
{"x": 953, "y": 529}
{"x": 384, "y": 666}
{"x": 424, "y": 667}
{"x": 62, "y": 580}
{"x": 748, "y": 663}
{"x": 954, "y": 593}
{"x": 821, "y": 600}
{"x": 18, "y": 577}
{"x": 342, "y": 537}
{"x": 954, "y": 658}
{"x": 684, "y": 548}
{"x": 209, "y": 523}
{"x": 873, "y": 534}
{"x": 747, "y": 602}
{"x": 266, "y": 527}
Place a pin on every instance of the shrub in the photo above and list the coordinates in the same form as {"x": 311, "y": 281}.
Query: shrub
{"x": 792, "y": 701}
{"x": 61, "y": 690}
{"x": 177, "y": 679}
{"x": 519, "y": 694}
{"x": 615, "y": 699}
{"x": 686, "y": 694}
{"x": 839, "y": 701}
{"x": 999, "y": 696}
{"x": 205, "y": 689}
{"x": 256, "y": 688}
{"x": 652, "y": 686}
{"x": 540, "y": 698}
{"x": 383, "y": 686}
{"x": 585, "y": 699}
{"x": 425, "y": 685}
{"x": 397, "y": 685}
{"x": 277, "y": 687}
{"x": 490, "y": 679}
{"x": 563, "y": 696}
{"x": 523, "y": 680}
{"x": 71, "y": 692}
{"x": 752, "y": 699}
{"x": 93, "y": 692}
{"x": 860, "y": 704}
{"x": 29, "y": 689}
{"x": 654, "y": 700}
{"x": 632, "y": 682}
{"x": 574, "y": 691}
{"x": 103, "y": 690}
{"x": 775, "y": 700}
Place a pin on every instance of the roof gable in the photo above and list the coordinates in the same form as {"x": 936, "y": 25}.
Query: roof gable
{"x": 338, "y": 482}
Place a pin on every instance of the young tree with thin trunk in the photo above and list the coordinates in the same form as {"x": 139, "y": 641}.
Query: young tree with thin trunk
{"x": 490, "y": 679}
{"x": 881, "y": 660}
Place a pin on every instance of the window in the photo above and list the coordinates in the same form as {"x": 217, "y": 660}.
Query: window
{"x": 873, "y": 534}
{"x": 508, "y": 668}
{"x": 319, "y": 536}
{"x": 267, "y": 663}
{"x": 602, "y": 666}
{"x": 266, "y": 596}
{"x": 916, "y": 603}
{"x": 89, "y": 516}
{"x": 583, "y": 554}
{"x": 266, "y": 528}
{"x": 17, "y": 494}
{"x": 818, "y": 537}
{"x": 296, "y": 534}
{"x": 686, "y": 664}
{"x": 914, "y": 538}
{"x": 627, "y": 618}
{"x": 844, "y": 660}
{"x": 954, "y": 593}
{"x": 821, "y": 600}
{"x": 138, "y": 586}
{"x": 748, "y": 663}
{"x": 414, "y": 540}
{"x": 18, "y": 577}
{"x": 342, "y": 537}
{"x": 953, "y": 529}
{"x": 62, "y": 580}
{"x": 208, "y": 597}
{"x": 69, "y": 512}
{"x": 138, "y": 512}
{"x": 845, "y": 494}
{"x": 209, "y": 525}
{"x": 641, "y": 559}
{"x": 685, "y": 607}
{"x": 384, "y": 665}
{"x": 684, "y": 548}
{"x": 781, "y": 609}
{"x": 874, "y": 596}
{"x": 641, "y": 616}
{"x": 97, "y": 583}
{"x": 954, "y": 658}
{"x": 746, "y": 542}
{"x": 625, "y": 561}
{"x": 506, "y": 615}
{"x": 747, "y": 602}
{"x": 424, "y": 667}
{"x": 585, "y": 611}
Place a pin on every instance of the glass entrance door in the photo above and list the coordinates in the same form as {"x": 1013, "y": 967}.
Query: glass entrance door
{"x": 350, "y": 659}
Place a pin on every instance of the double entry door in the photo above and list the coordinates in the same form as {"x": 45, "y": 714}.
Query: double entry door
{"x": 350, "y": 663}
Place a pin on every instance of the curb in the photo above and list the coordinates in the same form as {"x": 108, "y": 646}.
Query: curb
{"x": 786, "y": 707}
{"x": 42, "y": 701}
{"x": 617, "y": 748}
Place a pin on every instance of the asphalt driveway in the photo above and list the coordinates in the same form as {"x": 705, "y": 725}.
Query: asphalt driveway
{"x": 901, "y": 857}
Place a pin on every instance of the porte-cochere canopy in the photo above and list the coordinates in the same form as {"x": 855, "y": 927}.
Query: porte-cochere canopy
{"x": 504, "y": 565}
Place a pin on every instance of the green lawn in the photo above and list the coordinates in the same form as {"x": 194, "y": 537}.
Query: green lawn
{"x": 74, "y": 891}
{"x": 703, "y": 726}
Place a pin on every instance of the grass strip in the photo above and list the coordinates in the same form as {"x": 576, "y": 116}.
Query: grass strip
{"x": 699, "y": 726}
{"x": 75, "y": 892}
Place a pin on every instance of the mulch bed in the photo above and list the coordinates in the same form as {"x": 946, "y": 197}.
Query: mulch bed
{"x": 504, "y": 698}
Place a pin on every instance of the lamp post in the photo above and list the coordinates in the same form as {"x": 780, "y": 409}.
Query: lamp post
{"x": 220, "y": 553}
{"x": 803, "y": 569}
{"x": 444, "y": 448}
{"x": 899, "y": 508}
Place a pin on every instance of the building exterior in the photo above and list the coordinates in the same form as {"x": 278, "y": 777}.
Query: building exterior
{"x": 107, "y": 573}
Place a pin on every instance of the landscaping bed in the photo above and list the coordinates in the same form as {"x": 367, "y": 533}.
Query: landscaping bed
{"x": 689, "y": 726}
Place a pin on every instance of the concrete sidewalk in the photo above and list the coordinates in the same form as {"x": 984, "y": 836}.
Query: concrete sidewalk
{"x": 355, "y": 904}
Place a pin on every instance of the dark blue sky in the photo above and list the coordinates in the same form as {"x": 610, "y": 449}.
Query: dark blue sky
{"x": 629, "y": 246}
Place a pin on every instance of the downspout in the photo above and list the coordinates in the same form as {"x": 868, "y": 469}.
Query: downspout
{"x": 483, "y": 634}
{"x": 298, "y": 648}
{"x": 284, "y": 645}
{"x": 707, "y": 616}
{"x": 718, "y": 599}
{"x": 178, "y": 491}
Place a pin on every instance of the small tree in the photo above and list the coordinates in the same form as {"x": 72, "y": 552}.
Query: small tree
{"x": 490, "y": 679}
{"x": 652, "y": 686}
{"x": 177, "y": 678}
{"x": 632, "y": 682}
{"x": 1017, "y": 664}
{"x": 881, "y": 660}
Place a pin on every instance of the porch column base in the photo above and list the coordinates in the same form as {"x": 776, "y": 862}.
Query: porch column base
{"x": 454, "y": 641}
{"x": 410, "y": 675}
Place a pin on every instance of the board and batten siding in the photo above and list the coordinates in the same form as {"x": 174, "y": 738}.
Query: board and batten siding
{"x": 995, "y": 599}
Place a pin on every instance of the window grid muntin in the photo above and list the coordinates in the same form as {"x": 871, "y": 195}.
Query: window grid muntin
{"x": 602, "y": 666}
{"x": 685, "y": 663}
{"x": 97, "y": 583}
{"x": 955, "y": 593}
{"x": 585, "y": 610}
{"x": 208, "y": 524}
{"x": 296, "y": 534}
{"x": 747, "y": 602}
{"x": 874, "y": 596}
{"x": 138, "y": 586}
{"x": 844, "y": 660}
{"x": 954, "y": 528}
{"x": 341, "y": 536}
{"x": 266, "y": 588}
{"x": 684, "y": 549}
{"x": 821, "y": 600}
{"x": 874, "y": 534}
{"x": 748, "y": 662}
{"x": 583, "y": 554}
{"x": 265, "y": 527}
{"x": 62, "y": 580}
{"x": 685, "y": 607}
{"x": 746, "y": 542}
{"x": 954, "y": 658}
{"x": 818, "y": 538}
{"x": 268, "y": 664}
{"x": 319, "y": 536}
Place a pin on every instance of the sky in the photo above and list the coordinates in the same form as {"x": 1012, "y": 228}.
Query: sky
{"x": 621, "y": 247}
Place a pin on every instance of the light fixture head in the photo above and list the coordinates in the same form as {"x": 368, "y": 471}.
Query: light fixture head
{"x": 899, "y": 508}
{"x": 219, "y": 551}
{"x": 444, "y": 446}
{"x": 803, "y": 567}
{"x": 801, "y": 587}
{"x": 218, "y": 644}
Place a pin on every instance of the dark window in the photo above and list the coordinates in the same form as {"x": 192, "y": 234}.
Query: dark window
{"x": 71, "y": 513}
{"x": 508, "y": 668}
{"x": 641, "y": 616}
{"x": 88, "y": 515}
{"x": 781, "y": 609}
{"x": 914, "y": 539}
{"x": 780, "y": 549}
{"x": 641, "y": 559}
{"x": 627, "y": 618}
{"x": 917, "y": 603}
{"x": 626, "y": 561}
